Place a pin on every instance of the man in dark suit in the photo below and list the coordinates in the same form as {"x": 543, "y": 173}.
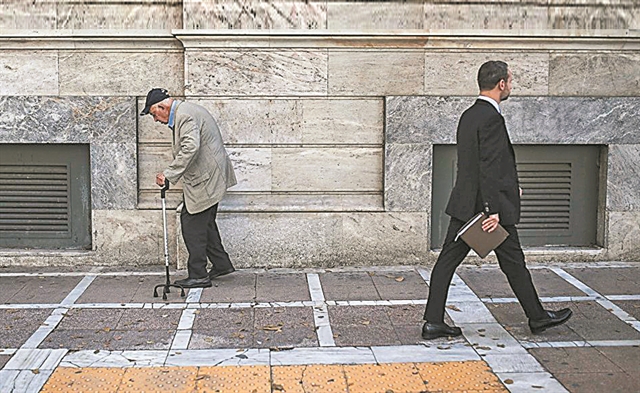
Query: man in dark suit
{"x": 486, "y": 181}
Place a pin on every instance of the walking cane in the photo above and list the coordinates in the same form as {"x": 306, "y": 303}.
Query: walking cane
{"x": 168, "y": 284}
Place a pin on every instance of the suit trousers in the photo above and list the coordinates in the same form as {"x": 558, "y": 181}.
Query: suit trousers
{"x": 202, "y": 238}
{"x": 510, "y": 259}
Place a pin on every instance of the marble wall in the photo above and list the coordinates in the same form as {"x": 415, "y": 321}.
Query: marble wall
{"x": 331, "y": 133}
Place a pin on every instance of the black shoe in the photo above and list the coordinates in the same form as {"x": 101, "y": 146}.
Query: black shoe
{"x": 194, "y": 282}
{"x": 435, "y": 330}
{"x": 554, "y": 318}
{"x": 218, "y": 273}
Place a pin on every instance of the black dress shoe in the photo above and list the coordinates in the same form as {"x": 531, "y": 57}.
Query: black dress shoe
{"x": 194, "y": 282}
{"x": 435, "y": 330}
{"x": 218, "y": 273}
{"x": 554, "y": 318}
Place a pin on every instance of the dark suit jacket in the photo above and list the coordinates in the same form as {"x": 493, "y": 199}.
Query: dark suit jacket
{"x": 487, "y": 179}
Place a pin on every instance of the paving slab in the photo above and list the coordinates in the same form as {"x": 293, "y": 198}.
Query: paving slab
{"x": 78, "y": 339}
{"x": 238, "y": 287}
{"x": 598, "y": 382}
{"x": 284, "y": 327}
{"x": 223, "y": 318}
{"x": 627, "y": 358}
{"x": 609, "y": 280}
{"x": 218, "y": 338}
{"x": 394, "y": 285}
{"x": 574, "y": 360}
{"x": 284, "y": 287}
{"x": 632, "y": 307}
{"x": 141, "y": 340}
{"x": 17, "y": 325}
{"x": 4, "y": 359}
{"x": 492, "y": 283}
{"x": 38, "y": 289}
{"x": 348, "y": 286}
{"x": 98, "y": 319}
{"x": 148, "y": 319}
{"x": 127, "y": 289}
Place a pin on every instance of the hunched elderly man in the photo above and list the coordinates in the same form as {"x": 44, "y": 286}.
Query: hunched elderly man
{"x": 201, "y": 161}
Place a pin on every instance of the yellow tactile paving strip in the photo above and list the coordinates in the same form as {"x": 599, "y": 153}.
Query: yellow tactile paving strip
{"x": 454, "y": 377}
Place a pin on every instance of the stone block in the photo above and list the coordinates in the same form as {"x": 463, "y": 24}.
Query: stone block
{"x": 623, "y": 178}
{"x": 257, "y": 121}
{"x": 121, "y": 237}
{"x": 24, "y": 73}
{"x": 258, "y": 72}
{"x": 407, "y": 177}
{"x": 485, "y": 15}
{"x": 253, "y": 168}
{"x": 384, "y": 238}
{"x": 393, "y": 15}
{"x": 278, "y": 240}
{"x": 254, "y": 14}
{"x": 594, "y": 74}
{"x": 452, "y": 74}
{"x": 376, "y": 73}
{"x": 343, "y": 121}
{"x": 327, "y": 169}
{"x": 301, "y": 202}
{"x": 119, "y": 73}
{"x": 595, "y": 16}
{"x": 120, "y": 14}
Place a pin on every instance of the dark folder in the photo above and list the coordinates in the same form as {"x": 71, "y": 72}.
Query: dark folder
{"x": 480, "y": 241}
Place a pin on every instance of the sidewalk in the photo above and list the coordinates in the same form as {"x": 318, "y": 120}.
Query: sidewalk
{"x": 323, "y": 330}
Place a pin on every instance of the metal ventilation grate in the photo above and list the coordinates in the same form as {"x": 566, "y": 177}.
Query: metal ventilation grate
{"x": 35, "y": 199}
{"x": 546, "y": 198}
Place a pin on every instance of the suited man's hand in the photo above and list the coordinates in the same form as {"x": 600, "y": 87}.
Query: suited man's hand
{"x": 490, "y": 224}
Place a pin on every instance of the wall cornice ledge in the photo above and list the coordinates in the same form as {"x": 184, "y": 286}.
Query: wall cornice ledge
{"x": 138, "y": 40}
{"x": 623, "y": 40}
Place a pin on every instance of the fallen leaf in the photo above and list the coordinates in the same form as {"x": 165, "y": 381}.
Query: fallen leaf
{"x": 537, "y": 387}
{"x": 508, "y": 381}
{"x": 452, "y": 307}
{"x": 35, "y": 371}
{"x": 501, "y": 345}
{"x": 483, "y": 348}
{"x": 400, "y": 279}
{"x": 365, "y": 322}
{"x": 278, "y": 387}
{"x": 273, "y": 328}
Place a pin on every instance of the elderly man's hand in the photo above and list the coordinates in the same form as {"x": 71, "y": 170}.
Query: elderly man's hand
{"x": 160, "y": 179}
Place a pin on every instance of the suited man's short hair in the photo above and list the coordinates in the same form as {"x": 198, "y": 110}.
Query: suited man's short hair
{"x": 490, "y": 73}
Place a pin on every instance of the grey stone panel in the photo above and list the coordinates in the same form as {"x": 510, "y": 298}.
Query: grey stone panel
{"x": 623, "y": 179}
{"x": 589, "y": 74}
{"x": 258, "y": 72}
{"x": 407, "y": 183}
{"x": 424, "y": 119}
{"x": 107, "y": 124}
{"x": 573, "y": 120}
{"x": 114, "y": 176}
{"x": 254, "y": 14}
{"x": 530, "y": 120}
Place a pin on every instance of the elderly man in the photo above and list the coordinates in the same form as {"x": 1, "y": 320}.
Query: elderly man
{"x": 201, "y": 161}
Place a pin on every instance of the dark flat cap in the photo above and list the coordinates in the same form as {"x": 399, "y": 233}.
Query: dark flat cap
{"x": 153, "y": 97}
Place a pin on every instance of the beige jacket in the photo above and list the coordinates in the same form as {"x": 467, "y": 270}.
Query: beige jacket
{"x": 199, "y": 158}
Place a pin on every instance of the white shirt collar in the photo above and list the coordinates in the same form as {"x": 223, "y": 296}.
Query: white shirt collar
{"x": 491, "y": 101}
